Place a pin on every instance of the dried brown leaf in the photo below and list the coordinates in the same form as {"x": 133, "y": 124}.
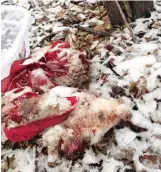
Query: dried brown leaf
{"x": 89, "y": 38}
{"x": 52, "y": 164}
{"x": 60, "y": 14}
{"x": 156, "y": 25}
{"x": 139, "y": 88}
{"x": 132, "y": 85}
{"x": 152, "y": 161}
{"x": 99, "y": 28}
{"x": 148, "y": 65}
{"x": 106, "y": 19}
{"x": 156, "y": 52}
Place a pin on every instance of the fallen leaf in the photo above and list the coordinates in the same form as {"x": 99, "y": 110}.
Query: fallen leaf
{"x": 94, "y": 44}
{"x": 132, "y": 85}
{"x": 148, "y": 65}
{"x": 106, "y": 19}
{"x": 151, "y": 160}
{"x": 61, "y": 14}
{"x": 156, "y": 25}
{"x": 156, "y": 52}
{"x": 139, "y": 88}
{"x": 109, "y": 47}
{"x": 99, "y": 28}
{"x": 89, "y": 38}
{"x": 117, "y": 90}
{"x": 108, "y": 26}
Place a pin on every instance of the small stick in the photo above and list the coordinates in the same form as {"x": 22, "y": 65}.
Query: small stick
{"x": 125, "y": 20}
{"x": 99, "y": 33}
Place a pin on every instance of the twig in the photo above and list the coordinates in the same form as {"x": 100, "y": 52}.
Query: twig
{"x": 99, "y": 33}
{"x": 125, "y": 20}
{"x": 111, "y": 65}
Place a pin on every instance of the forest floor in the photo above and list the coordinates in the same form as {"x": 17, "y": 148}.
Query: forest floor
{"x": 135, "y": 77}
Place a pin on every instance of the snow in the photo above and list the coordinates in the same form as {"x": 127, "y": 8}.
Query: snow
{"x": 48, "y": 136}
{"x": 38, "y": 72}
{"x": 92, "y": 1}
{"x": 57, "y": 29}
{"x": 63, "y": 91}
{"x": 140, "y": 26}
{"x": 94, "y": 20}
{"x": 135, "y": 67}
{"x": 144, "y": 48}
{"x": 137, "y": 117}
{"x": 25, "y": 159}
{"x": 90, "y": 157}
{"x": 125, "y": 137}
{"x": 111, "y": 165}
{"x": 135, "y": 60}
{"x": 51, "y": 99}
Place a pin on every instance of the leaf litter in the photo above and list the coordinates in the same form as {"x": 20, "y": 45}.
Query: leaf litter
{"x": 119, "y": 68}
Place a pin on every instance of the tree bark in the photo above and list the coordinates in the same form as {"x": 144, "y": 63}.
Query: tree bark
{"x": 131, "y": 9}
{"x": 113, "y": 12}
{"x": 141, "y": 8}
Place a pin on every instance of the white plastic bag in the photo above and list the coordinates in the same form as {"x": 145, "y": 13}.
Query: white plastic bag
{"x": 15, "y": 22}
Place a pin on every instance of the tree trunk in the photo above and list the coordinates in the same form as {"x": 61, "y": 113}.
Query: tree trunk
{"x": 132, "y": 10}
{"x": 113, "y": 12}
{"x": 141, "y": 8}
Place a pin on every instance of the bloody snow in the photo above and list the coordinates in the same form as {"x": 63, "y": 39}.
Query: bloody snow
{"x": 120, "y": 79}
